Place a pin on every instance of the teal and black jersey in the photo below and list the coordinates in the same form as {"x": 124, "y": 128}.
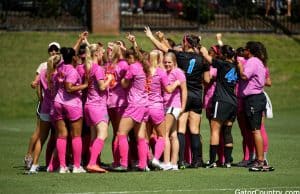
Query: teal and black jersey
{"x": 193, "y": 66}
{"x": 227, "y": 78}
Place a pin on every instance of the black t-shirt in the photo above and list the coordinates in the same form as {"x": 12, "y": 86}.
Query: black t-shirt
{"x": 193, "y": 66}
{"x": 226, "y": 80}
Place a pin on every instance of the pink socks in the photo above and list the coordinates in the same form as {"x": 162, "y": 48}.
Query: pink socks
{"x": 96, "y": 148}
{"x": 143, "y": 152}
{"x": 61, "y": 146}
{"x": 123, "y": 149}
{"x": 159, "y": 147}
{"x": 77, "y": 150}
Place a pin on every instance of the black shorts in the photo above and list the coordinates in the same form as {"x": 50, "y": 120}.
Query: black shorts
{"x": 224, "y": 111}
{"x": 194, "y": 104}
{"x": 255, "y": 105}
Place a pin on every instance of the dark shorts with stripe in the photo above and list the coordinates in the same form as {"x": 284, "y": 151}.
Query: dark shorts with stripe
{"x": 254, "y": 107}
{"x": 224, "y": 111}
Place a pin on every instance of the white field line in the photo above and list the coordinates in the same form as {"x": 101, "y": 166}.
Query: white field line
{"x": 14, "y": 129}
{"x": 191, "y": 190}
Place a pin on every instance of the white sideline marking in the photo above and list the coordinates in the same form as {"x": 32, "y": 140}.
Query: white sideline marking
{"x": 184, "y": 190}
{"x": 10, "y": 129}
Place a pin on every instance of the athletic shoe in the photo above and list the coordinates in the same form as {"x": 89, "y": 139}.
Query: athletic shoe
{"x": 250, "y": 163}
{"x": 155, "y": 163}
{"x": 262, "y": 169}
{"x": 196, "y": 164}
{"x": 95, "y": 168}
{"x": 63, "y": 170}
{"x": 242, "y": 163}
{"x": 146, "y": 169}
{"x": 266, "y": 163}
{"x": 227, "y": 165}
{"x": 211, "y": 165}
{"x": 257, "y": 165}
{"x": 78, "y": 170}
{"x": 183, "y": 165}
{"x": 120, "y": 169}
{"x": 28, "y": 161}
{"x": 33, "y": 169}
{"x": 167, "y": 166}
{"x": 174, "y": 166}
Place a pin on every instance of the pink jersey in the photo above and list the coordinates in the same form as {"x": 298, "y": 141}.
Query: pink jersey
{"x": 66, "y": 73}
{"x": 267, "y": 72}
{"x": 174, "y": 99}
{"x": 94, "y": 95}
{"x": 209, "y": 89}
{"x": 81, "y": 71}
{"x": 137, "y": 94}
{"x": 255, "y": 72}
{"x": 117, "y": 95}
{"x": 157, "y": 83}
{"x": 241, "y": 83}
{"x": 48, "y": 94}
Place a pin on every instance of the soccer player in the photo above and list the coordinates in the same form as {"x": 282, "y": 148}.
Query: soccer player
{"x": 224, "y": 103}
{"x": 48, "y": 90}
{"x": 174, "y": 106}
{"x": 195, "y": 71}
{"x": 68, "y": 106}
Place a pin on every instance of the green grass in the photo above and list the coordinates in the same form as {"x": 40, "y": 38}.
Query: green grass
{"x": 20, "y": 54}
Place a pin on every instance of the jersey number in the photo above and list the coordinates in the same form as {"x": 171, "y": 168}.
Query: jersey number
{"x": 231, "y": 76}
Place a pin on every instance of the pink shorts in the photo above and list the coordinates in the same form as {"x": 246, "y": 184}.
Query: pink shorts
{"x": 62, "y": 111}
{"x": 95, "y": 114}
{"x": 137, "y": 113}
{"x": 156, "y": 115}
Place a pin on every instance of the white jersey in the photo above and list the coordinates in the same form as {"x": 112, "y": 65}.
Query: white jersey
{"x": 41, "y": 67}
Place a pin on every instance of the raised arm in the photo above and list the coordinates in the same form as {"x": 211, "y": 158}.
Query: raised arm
{"x": 156, "y": 42}
{"x": 205, "y": 54}
{"x": 161, "y": 37}
{"x": 132, "y": 39}
{"x": 82, "y": 38}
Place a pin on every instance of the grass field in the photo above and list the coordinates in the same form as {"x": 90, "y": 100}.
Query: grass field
{"x": 20, "y": 54}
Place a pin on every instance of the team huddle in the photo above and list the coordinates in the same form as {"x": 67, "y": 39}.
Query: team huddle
{"x": 153, "y": 102}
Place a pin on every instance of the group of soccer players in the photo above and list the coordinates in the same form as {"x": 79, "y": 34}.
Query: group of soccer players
{"x": 153, "y": 102}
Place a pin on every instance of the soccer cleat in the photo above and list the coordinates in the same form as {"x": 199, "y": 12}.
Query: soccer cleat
{"x": 183, "y": 165}
{"x": 146, "y": 169}
{"x": 242, "y": 163}
{"x": 156, "y": 164}
{"x": 120, "y": 169}
{"x": 28, "y": 161}
{"x": 95, "y": 168}
{"x": 211, "y": 165}
{"x": 256, "y": 166}
{"x": 196, "y": 164}
{"x": 63, "y": 170}
{"x": 262, "y": 169}
{"x": 174, "y": 167}
{"x": 227, "y": 165}
{"x": 79, "y": 169}
{"x": 167, "y": 166}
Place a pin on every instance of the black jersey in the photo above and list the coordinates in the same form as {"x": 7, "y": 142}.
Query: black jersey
{"x": 193, "y": 66}
{"x": 226, "y": 81}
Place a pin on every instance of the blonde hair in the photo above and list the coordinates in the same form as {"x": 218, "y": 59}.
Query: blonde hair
{"x": 154, "y": 58}
{"x": 173, "y": 57}
{"x": 52, "y": 62}
{"x": 90, "y": 53}
{"x": 116, "y": 53}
